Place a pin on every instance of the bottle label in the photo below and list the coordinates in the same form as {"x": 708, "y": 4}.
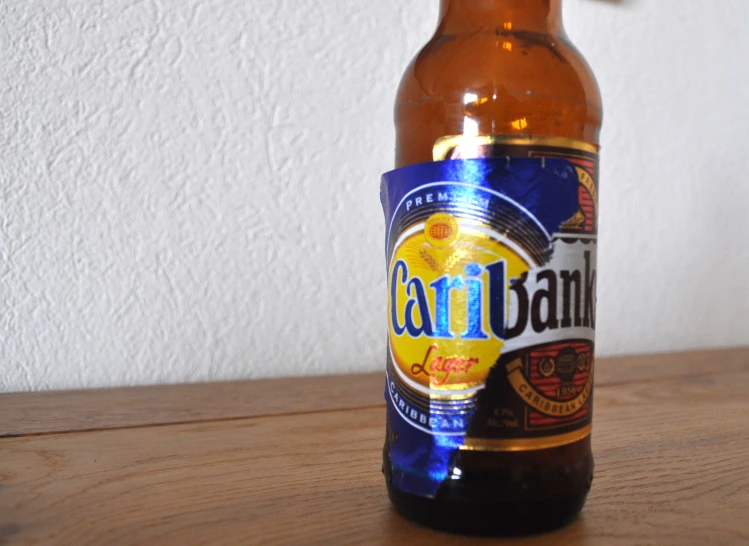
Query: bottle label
{"x": 491, "y": 266}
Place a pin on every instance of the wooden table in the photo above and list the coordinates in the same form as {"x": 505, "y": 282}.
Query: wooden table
{"x": 297, "y": 461}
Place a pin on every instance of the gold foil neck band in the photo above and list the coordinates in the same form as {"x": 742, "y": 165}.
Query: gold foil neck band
{"x": 445, "y": 145}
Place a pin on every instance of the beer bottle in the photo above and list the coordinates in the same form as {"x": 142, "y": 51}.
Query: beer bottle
{"x": 491, "y": 238}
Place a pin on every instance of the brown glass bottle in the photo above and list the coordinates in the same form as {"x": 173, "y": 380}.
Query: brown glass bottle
{"x": 499, "y": 67}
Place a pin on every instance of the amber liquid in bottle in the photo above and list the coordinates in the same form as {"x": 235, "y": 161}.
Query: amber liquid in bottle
{"x": 498, "y": 67}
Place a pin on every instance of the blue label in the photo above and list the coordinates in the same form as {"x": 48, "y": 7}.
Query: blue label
{"x": 491, "y": 299}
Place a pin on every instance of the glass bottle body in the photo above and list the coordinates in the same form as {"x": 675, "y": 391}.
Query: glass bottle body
{"x": 498, "y": 67}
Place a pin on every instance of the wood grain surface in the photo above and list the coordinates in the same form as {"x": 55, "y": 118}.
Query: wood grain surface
{"x": 46, "y": 412}
{"x": 671, "y": 448}
{"x": 49, "y": 412}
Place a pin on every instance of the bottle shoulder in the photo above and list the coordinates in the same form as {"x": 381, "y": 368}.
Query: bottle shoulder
{"x": 510, "y": 70}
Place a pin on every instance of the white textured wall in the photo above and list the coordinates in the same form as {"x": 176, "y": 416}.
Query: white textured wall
{"x": 190, "y": 188}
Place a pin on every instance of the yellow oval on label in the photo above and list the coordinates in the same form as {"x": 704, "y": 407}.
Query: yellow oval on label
{"x": 448, "y": 302}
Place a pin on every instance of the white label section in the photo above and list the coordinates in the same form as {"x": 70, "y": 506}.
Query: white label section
{"x": 556, "y": 302}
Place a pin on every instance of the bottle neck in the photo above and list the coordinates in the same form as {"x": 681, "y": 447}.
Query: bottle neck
{"x": 459, "y": 16}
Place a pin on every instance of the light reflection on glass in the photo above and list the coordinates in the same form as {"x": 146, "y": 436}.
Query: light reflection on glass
{"x": 468, "y": 98}
{"x": 470, "y": 126}
{"x": 520, "y": 124}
